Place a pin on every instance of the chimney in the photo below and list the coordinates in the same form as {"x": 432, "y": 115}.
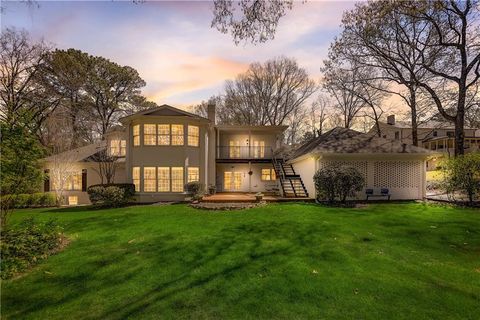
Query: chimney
{"x": 211, "y": 112}
{"x": 391, "y": 120}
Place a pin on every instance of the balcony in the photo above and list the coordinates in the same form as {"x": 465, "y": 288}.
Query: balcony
{"x": 241, "y": 153}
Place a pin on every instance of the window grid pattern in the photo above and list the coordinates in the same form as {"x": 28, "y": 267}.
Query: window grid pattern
{"x": 177, "y": 135}
{"x": 193, "y": 136}
{"x": 149, "y": 134}
{"x": 163, "y": 134}
{"x": 177, "y": 179}
{"x": 163, "y": 179}
{"x": 268, "y": 175}
{"x": 193, "y": 174}
{"x": 136, "y": 135}
{"x": 136, "y": 178}
{"x": 149, "y": 179}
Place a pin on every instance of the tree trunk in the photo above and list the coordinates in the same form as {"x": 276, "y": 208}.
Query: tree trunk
{"x": 413, "y": 108}
{"x": 460, "y": 122}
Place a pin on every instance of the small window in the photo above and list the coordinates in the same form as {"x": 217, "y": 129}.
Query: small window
{"x": 193, "y": 136}
{"x": 72, "y": 200}
{"x": 177, "y": 179}
{"x": 177, "y": 134}
{"x": 136, "y": 178}
{"x": 163, "y": 134}
{"x": 268, "y": 174}
{"x": 149, "y": 134}
{"x": 123, "y": 148}
{"x": 397, "y": 135}
{"x": 149, "y": 179}
{"x": 163, "y": 179}
{"x": 136, "y": 135}
{"x": 435, "y": 133}
{"x": 193, "y": 174}
{"x": 118, "y": 147}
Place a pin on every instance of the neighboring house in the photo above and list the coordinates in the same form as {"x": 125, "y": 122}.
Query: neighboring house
{"x": 383, "y": 163}
{"x": 162, "y": 149}
{"x": 432, "y": 135}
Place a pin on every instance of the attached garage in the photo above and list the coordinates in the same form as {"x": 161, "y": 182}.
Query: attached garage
{"x": 383, "y": 163}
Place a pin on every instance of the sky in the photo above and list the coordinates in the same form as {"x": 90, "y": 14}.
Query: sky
{"x": 171, "y": 44}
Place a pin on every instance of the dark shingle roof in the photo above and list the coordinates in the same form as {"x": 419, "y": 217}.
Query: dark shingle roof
{"x": 342, "y": 140}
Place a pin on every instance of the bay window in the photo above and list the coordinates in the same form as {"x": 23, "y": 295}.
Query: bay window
{"x": 177, "y": 134}
{"x": 193, "y": 136}
{"x": 149, "y": 179}
{"x": 177, "y": 179}
{"x": 149, "y": 134}
{"x": 163, "y": 134}
{"x": 136, "y": 135}
{"x": 193, "y": 174}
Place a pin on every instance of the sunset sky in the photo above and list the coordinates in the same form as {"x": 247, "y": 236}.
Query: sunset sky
{"x": 171, "y": 44}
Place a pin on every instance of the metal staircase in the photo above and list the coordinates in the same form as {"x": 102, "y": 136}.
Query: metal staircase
{"x": 291, "y": 183}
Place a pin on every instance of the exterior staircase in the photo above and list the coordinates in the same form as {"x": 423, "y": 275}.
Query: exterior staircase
{"x": 290, "y": 182}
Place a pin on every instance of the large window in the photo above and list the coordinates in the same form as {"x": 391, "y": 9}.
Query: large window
{"x": 163, "y": 179}
{"x": 163, "y": 134}
{"x": 193, "y": 174}
{"x": 136, "y": 135}
{"x": 177, "y": 179}
{"x": 118, "y": 148}
{"x": 193, "y": 136}
{"x": 149, "y": 179}
{"x": 136, "y": 178}
{"x": 258, "y": 149}
{"x": 268, "y": 174}
{"x": 177, "y": 135}
{"x": 74, "y": 182}
{"x": 234, "y": 150}
{"x": 149, "y": 134}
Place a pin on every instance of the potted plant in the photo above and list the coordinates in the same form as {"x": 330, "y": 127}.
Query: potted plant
{"x": 212, "y": 189}
{"x": 259, "y": 196}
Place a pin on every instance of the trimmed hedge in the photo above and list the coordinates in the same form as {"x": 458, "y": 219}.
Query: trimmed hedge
{"x": 34, "y": 200}
{"x": 111, "y": 195}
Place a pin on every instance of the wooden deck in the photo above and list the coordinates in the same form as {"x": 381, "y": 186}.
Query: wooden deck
{"x": 249, "y": 197}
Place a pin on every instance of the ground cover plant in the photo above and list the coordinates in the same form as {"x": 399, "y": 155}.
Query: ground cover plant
{"x": 280, "y": 261}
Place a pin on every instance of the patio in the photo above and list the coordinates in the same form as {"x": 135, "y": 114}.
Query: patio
{"x": 249, "y": 197}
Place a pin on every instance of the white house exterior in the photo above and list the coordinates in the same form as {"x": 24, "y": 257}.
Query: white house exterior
{"x": 383, "y": 163}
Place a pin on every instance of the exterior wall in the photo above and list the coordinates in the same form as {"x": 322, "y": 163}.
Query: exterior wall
{"x": 246, "y": 138}
{"x": 92, "y": 178}
{"x": 306, "y": 168}
{"x": 403, "y": 175}
{"x": 250, "y": 183}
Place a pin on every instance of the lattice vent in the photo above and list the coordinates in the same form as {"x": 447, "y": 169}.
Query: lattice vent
{"x": 397, "y": 174}
{"x": 361, "y": 166}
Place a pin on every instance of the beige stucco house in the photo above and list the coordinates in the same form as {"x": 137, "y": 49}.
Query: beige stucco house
{"x": 161, "y": 149}
{"x": 433, "y": 135}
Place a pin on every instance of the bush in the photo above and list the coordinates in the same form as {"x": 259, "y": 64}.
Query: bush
{"x": 195, "y": 189}
{"x": 111, "y": 196}
{"x": 332, "y": 183}
{"x": 28, "y": 243}
{"x": 462, "y": 174}
{"x": 18, "y": 201}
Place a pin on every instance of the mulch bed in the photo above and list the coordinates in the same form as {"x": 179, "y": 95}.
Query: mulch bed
{"x": 227, "y": 206}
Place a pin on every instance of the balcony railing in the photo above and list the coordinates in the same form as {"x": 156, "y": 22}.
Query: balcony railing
{"x": 244, "y": 152}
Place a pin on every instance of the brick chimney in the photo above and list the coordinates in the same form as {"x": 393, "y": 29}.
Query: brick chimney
{"x": 391, "y": 120}
{"x": 211, "y": 112}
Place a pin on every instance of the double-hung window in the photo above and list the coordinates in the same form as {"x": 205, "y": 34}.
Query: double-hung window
{"x": 193, "y": 174}
{"x": 136, "y": 178}
{"x": 163, "y": 134}
{"x": 136, "y": 135}
{"x": 149, "y": 179}
{"x": 177, "y": 179}
{"x": 149, "y": 134}
{"x": 193, "y": 136}
{"x": 268, "y": 175}
{"x": 163, "y": 179}
{"x": 177, "y": 135}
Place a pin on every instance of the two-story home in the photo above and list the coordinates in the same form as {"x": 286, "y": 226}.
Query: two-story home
{"x": 161, "y": 149}
{"x": 432, "y": 135}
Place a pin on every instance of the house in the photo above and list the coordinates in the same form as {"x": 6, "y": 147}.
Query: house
{"x": 163, "y": 148}
{"x": 384, "y": 163}
{"x": 432, "y": 135}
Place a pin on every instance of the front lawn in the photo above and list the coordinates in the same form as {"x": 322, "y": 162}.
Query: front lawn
{"x": 282, "y": 261}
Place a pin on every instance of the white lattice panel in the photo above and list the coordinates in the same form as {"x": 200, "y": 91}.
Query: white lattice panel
{"x": 397, "y": 174}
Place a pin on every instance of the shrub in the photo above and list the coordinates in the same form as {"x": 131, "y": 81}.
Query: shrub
{"x": 28, "y": 243}
{"x": 332, "y": 183}
{"x": 110, "y": 196}
{"x": 462, "y": 174}
{"x": 195, "y": 189}
{"x": 33, "y": 200}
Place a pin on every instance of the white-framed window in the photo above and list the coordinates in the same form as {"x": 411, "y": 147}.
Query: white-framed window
{"x": 136, "y": 178}
{"x": 149, "y": 179}
{"x": 177, "y": 135}
{"x": 193, "y": 136}
{"x": 163, "y": 179}
{"x": 177, "y": 179}
{"x": 136, "y": 135}
{"x": 163, "y": 134}
{"x": 118, "y": 147}
{"x": 193, "y": 174}
{"x": 149, "y": 134}
{"x": 268, "y": 175}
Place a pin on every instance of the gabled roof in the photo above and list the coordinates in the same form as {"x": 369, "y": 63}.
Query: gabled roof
{"x": 163, "y": 110}
{"x": 79, "y": 154}
{"x": 342, "y": 140}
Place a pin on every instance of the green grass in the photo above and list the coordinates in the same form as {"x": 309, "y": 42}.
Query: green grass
{"x": 283, "y": 261}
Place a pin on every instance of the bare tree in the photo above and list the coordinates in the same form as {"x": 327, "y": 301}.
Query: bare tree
{"x": 254, "y": 20}
{"x": 107, "y": 166}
